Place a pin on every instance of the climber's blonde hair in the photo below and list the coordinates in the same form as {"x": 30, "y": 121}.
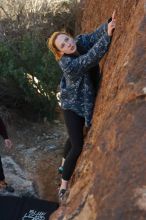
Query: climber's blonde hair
{"x": 51, "y": 44}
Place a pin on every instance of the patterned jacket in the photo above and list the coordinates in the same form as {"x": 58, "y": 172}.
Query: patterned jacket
{"x": 76, "y": 89}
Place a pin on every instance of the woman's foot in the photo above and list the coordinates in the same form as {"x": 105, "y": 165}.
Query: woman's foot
{"x": 61, "y": 194}
{"x": 62, "y": 189}
{"x": 60, "y": 170}
{"x": 5, "y": 187}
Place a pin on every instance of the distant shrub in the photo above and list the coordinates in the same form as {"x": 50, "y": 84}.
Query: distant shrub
{"x": 29, "y": 74}
{"x": 36, "y": 76}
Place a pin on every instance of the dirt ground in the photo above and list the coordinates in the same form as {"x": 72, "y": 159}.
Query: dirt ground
{"x": 37, "y": 150}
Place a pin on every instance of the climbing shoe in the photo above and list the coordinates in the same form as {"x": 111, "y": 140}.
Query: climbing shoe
{"x": 4, "y": 187}
{"x": 60, "y": 170}
{"x": 61, "y": 194}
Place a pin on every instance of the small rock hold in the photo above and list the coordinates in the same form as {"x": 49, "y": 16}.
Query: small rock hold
{"x": 144, "y": 90}
{"x": 56, "y": 121}
{"x": 20, "y": 145}
{"x": 125, "y": 64}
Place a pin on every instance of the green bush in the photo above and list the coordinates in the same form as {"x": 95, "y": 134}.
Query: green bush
{"x": 34, "y": 70}
{"x": 29, "y": 74}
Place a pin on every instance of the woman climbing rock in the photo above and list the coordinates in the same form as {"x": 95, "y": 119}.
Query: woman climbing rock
{"x": 78, "y": 58}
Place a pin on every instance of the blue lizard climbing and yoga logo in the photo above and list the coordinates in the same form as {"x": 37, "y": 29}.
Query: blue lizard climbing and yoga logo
{"x": 34, "y": 215}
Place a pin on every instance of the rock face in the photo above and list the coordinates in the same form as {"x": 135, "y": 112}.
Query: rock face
{"x": 110, "y": 178}
{"x": 32, "y": 163}
{"x": 22, "y": 186}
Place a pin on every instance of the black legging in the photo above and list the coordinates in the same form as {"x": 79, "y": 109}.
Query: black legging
{"x": 74, "y": 144}
{"x": 2, "y": 177}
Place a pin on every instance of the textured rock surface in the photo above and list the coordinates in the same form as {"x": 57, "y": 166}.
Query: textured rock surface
{"x": 110, "y": 178}
{"x": 31, "y": 165}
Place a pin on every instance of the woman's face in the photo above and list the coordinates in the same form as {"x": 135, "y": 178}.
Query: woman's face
{"x": 65, "y": 44}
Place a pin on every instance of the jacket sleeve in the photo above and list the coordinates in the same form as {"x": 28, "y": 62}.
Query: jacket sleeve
{"x": 74, "y": 67}
{"x": 3, "y": 131}
{"x": 88, "y": 40}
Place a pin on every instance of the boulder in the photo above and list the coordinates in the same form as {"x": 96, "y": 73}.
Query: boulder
{"x": 110, "y": 181}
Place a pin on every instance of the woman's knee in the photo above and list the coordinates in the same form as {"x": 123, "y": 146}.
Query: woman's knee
{"x": 77, "y": 152}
